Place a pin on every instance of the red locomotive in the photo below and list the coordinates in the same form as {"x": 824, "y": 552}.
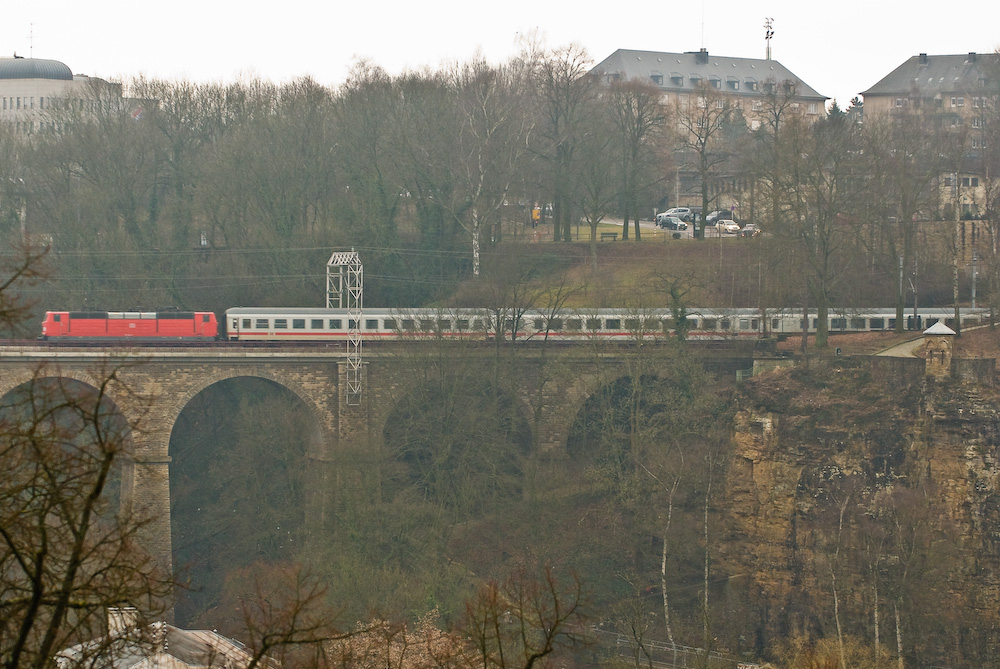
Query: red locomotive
{"x": 130, "y": 325}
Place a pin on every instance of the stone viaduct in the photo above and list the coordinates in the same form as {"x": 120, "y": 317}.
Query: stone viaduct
{"x": 152, "y": 386}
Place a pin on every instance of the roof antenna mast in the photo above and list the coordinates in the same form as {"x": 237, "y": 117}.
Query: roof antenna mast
{"x": 769, "y": 28}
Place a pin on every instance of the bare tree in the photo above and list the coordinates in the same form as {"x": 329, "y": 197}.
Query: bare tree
{"x": 67, "y": 555}
{"x": 702, "y": 120}
{"x": 638, "y": 116}
{"x": 561, "y": 79}
{"x": 522, "y": 620}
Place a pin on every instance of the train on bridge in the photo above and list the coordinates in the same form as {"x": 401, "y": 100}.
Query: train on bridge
{"x": 303, "y": 325}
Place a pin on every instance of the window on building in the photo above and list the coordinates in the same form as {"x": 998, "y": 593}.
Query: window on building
{"x": 813, "y": 108}
{"x": 720, "y": 104}
{"x": 899, "y": 102}
{"x": 657, "y": 78}
{"x": 957, "y": 102}
{"x": 757, "y": 105}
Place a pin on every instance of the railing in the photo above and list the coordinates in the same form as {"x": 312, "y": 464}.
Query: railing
{"x": 662, "y": 653}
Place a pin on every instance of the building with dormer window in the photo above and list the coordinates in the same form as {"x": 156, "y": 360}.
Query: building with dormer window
{"x": 745, "y": 82}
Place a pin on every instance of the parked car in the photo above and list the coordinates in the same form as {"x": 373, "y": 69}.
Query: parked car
{"x": 718, "y": 215}
{"x": 729, "y": 227}
{"x": 749, "y": 230}
{"x": 683, "y": 213}
{"x": 672, "y": 223}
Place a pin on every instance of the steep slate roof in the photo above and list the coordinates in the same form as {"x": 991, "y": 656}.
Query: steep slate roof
{"x": 681, "y": 71}
{"x": 933, "y": 75}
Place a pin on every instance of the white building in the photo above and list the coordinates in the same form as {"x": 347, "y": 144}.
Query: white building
{"x": 32, "y": 88}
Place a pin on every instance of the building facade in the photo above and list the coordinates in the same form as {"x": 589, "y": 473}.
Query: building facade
{"x": 695, "y": 83}
{"x": 32, "y": 89}
{"x": 955, "y": 96}
{"x": 744, "y": 82}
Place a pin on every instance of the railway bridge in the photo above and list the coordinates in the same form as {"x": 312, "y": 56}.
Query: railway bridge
{"x": 152, "y": 386}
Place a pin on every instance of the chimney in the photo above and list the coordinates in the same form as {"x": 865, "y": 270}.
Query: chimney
{"x": 702, "y": 56}
{"x": 923, "y": 59}
{"x": 972, "y": 57}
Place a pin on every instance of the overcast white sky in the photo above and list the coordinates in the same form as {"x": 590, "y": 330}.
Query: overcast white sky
{"x": 840, "y": 48}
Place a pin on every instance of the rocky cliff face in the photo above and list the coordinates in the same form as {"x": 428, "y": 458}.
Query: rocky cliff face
{"x": 874, "y": 493}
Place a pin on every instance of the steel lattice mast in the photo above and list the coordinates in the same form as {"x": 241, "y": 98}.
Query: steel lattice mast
{"x": 345, "y": 282}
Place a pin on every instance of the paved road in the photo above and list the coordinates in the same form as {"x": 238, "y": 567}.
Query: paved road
{"x": 908, "y": 349}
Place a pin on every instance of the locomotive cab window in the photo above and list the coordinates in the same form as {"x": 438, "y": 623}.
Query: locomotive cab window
{"x": 57, "y": 317}
{"x": 205, "y": 318}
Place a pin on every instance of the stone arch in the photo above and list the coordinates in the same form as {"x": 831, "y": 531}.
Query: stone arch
{"x": 326, "y": 420}
{"x": 557, "y": 417}
{"x": 113, "y": 392}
